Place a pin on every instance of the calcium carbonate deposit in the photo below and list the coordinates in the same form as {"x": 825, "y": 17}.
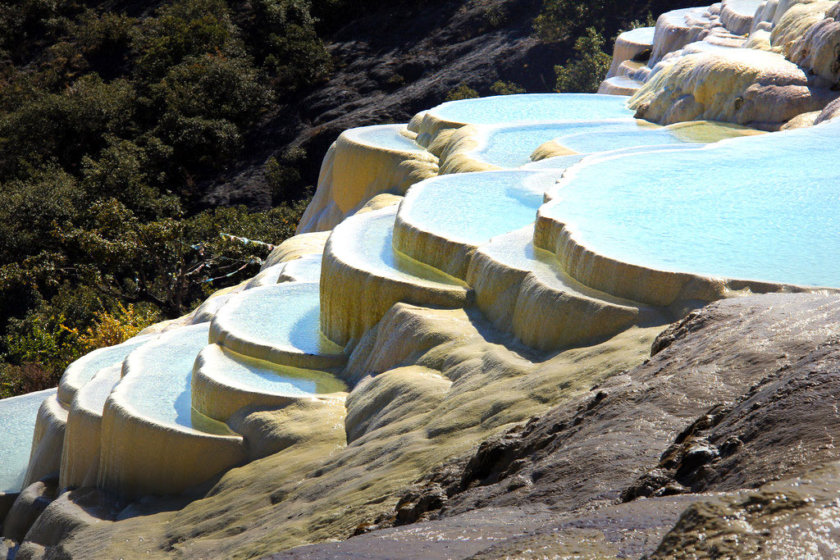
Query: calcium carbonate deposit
{"x": 560, "y": 221}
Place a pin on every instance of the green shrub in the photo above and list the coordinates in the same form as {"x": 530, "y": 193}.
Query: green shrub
{"x": 588, "y": 70}
{"x": 506, "y": 88}
{"x": 184, "y": 28}
{"x": 463, "y": 91}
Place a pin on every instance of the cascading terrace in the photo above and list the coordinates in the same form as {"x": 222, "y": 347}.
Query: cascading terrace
{"x": 563, "y": 219}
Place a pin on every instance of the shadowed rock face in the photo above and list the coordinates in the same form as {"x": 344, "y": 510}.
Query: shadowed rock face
{"x": 736, "y": 394}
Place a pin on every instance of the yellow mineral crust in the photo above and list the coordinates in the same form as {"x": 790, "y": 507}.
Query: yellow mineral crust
{"x": 793, "y": 20}
{"x": 221, "y": 400}
{"x": 676, "y": 29}
{"x": 145, "y": 447}
{"x": 47, "y": 441}
{"x": 80, "y": 455}
{"x": 362, "y": 276}
{"x": 536, "y": 301}
{"x": 629, "y": 45}
{"x": 435, "y": 400}
{"x": 427, "y": 126}
{"x": 140, "y": 456}
{"x": 355, "y": 169}
{"x": 743, "y": 86}
{"x": 817, "y": 49}
{"x": 456, "y": 149}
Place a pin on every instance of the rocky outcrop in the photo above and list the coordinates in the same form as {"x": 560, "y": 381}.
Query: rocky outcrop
{"x": 736, "y": 396}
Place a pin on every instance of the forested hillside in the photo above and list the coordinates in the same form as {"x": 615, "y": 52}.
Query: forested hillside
{"x": 130, "y": 130}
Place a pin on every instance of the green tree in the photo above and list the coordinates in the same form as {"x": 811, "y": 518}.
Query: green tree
{"x": 588, "y": 70}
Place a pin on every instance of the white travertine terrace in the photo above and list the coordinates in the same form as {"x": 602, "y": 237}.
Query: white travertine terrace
{"x": 620, "y": 85}
{"x": 523, "y": 290}
{"x": 80, "y": 454}
{"x": 152, "y": 441}
{"x": 628, "y": 46}
{"x": 363, "y": 276}
{"x": 362, "y": 163}
{"x": 519, "y": 246}
{"x": 491, "y": 204}
{"x": 225, "y": 382}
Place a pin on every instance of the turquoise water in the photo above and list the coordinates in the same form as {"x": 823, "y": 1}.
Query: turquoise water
{"x": 284, "y": 315}
{"x": 372, "y": 235}
{"x": 17, "y": 417}
{"x": 760, "y": 208}
{"x": 533, "y": 107}
{"x": 158, "y": 384}
{"x": 556, "y": 164}
{"x": 512, "y": 146}
{"x": 486, "y": 204}
{"x": 236, "y": 370}
{"x": 385, "y": 136}
{"x": 516, "y": 250}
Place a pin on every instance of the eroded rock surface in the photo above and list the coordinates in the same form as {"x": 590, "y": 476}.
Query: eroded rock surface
{"x": 738, "y": 394}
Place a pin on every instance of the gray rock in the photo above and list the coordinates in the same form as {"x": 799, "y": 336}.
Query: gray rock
{"x": 31, "y": 502}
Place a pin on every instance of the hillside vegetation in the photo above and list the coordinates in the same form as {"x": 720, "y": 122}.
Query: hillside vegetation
{"x": 117, "y": 118}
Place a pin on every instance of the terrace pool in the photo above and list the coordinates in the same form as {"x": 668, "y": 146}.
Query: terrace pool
{"x": 383, "y": 136}
{"x": 17, "y": 417}
{"x": 157, "y": 380}
{"x": 763, "y": 208}
{"x": 533, "y": 108}
{"x": 483, "y": 205}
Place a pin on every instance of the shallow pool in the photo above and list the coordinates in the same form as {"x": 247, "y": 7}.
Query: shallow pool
{"x": 17, "y": 418}
{"x": 304, "y": 269}
{"x": 367, "y": 244}
{"x": 383, "y": 136}
{"x": 473, "y": 207}
{"x": 157, "y": 385}
{"x": 285, "y": 315}
{"x": 512, "y": 146}
{"x": 640, "y": 35}
{"x": 236, "y": 370}
{"x": 761, "y": 208}
{"x": 82, "y": 370}
{"x": 533, "y": 107}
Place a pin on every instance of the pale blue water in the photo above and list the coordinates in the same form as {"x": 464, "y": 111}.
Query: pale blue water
{"x": 556, "y": 164}
{"x": 17, "y": 418}
{"x": 232, "y": 369}
{"x": 761, "y": 208}
{"x": 285, "y": 315}
{"x": 640, "y": 35}
{"x": 600, "y": 141}
{"x": 158, "y": 385}
{"x": 512, "y": 146}
{"x": 304, "y": 269}
{"x": 385, "y": 136}
{"x": 487, "y": 204}
{"x": 516, "y": 250}
{"x": 94, "y": 394}
{"x": 533, "y": 108}
{"x": 83, "y": 369}
{"x": 373, "y": 250}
